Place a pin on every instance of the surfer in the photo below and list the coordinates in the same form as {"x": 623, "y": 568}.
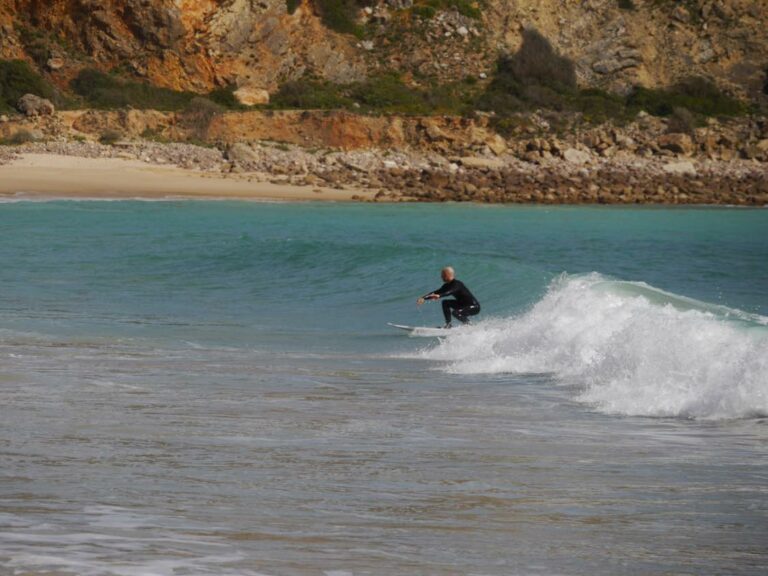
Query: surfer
{"x": 462, "y": 306}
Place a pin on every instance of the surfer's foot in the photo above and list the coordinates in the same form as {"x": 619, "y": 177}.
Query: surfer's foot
{"x": 446, "y": 326}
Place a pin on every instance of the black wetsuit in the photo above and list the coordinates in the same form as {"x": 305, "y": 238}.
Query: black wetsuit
{"x": 464, "y": 305}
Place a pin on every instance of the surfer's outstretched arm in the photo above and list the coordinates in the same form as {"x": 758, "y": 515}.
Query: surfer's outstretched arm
{"x": 431, "y": 296}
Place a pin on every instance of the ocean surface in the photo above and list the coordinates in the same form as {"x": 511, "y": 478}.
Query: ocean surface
{"x": 210, "y": 388}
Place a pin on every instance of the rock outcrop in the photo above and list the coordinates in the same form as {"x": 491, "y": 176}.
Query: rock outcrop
{"x": 201, "y": 44}
{"x": 189, "y": 44}
{"x": 31, "y": 105}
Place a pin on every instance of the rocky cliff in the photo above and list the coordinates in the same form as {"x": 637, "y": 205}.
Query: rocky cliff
{"x": 201, "y": 44}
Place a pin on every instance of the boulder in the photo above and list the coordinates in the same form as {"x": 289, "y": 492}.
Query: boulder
{"x": 250, "y": 96}
{"x": 576, "y": 156}
{"x": 677, "y": 143}
{"x": 682, "y": 168}
{"x": 496, "y": 144}
{"x": 32, "y": 105}
{"x": 240, "y": 153}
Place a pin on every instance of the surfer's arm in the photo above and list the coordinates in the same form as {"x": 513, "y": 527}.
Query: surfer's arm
{"x": 436, "y": 294}
{"x": 441, "y": 292}
{"x": 429, "y": 296}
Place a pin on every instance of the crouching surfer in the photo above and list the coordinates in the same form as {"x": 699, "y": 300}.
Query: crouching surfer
{"x": 462, "y": 306}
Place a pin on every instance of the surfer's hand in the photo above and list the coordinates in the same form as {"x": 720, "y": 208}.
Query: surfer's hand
{"x": 420, "y": 301}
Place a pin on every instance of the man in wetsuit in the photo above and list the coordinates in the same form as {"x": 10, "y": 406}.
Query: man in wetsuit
{"x": 464, "y": 303}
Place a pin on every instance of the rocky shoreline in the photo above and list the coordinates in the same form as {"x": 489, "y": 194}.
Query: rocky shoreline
{"x": 433, "y": 178}
{"x": 439, "y": 160}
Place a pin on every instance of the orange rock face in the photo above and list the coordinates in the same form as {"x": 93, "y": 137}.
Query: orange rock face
{"x": 188, "y": 44}
{"x": 201, "y": 44}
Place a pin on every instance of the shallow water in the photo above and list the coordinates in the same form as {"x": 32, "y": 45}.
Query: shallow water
{"x": 211, "y": 388}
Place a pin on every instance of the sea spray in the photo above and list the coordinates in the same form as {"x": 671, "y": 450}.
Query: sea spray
{"x": 629, "y": 349}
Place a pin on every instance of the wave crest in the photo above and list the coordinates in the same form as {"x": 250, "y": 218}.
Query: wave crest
{"x": 630, "y": 348}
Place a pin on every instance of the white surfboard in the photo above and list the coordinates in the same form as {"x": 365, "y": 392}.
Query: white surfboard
{"x": 424, "y": 331}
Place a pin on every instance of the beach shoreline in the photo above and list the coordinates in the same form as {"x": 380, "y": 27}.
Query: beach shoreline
{"x": 273, "y": 172}
{"x": 38, "y": 175}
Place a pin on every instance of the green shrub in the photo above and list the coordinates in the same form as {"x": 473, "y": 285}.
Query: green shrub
{"x": 698, "y": 95}
{"x": 106, "y": 91}
{"x": 17, "y": 79}
{"x": 387, "y": 93}
{"x": 455, "y": 98}
{"x": 310, "y": 94}
{"x": 340, "y": 15}
{"x": 382, "y": 93}
{"x": 626, "y": 5}
{"x": 292, "y": 5}
{"x": 110, "y": 137}
{"x": 534, "y": 77}
{"x": 109, "y": 91}
{"x": 225, "y": 97}
{"x": 598, "y": 106}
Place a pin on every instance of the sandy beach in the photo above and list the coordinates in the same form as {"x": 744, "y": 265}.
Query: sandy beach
{"x": 47, "y": 175}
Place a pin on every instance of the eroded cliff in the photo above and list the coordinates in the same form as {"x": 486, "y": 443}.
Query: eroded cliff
{"x": 200, "y": 44}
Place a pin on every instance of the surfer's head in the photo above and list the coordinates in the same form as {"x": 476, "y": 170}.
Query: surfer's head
{"x": 447, "y": 274}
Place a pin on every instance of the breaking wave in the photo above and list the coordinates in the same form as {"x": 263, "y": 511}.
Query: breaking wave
{"x": 629, "y": 348}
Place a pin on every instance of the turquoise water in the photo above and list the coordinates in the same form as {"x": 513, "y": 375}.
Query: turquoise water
{"x": 211, "y": 388}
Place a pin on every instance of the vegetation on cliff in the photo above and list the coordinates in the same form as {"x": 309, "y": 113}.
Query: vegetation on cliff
{"x": 109, "y": 91}
{"x": 338, "y": 15}
{"x": 698, "y": 95}
{"x": 17, "y": 78}
{"x": 383, "y": 93}
{"x": 536, "y": 77}
{"x": 106, "y": 91}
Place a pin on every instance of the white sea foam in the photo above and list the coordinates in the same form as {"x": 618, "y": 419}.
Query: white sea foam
{"x": 141, "y": 544}
{"x": 629, "y": 348}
